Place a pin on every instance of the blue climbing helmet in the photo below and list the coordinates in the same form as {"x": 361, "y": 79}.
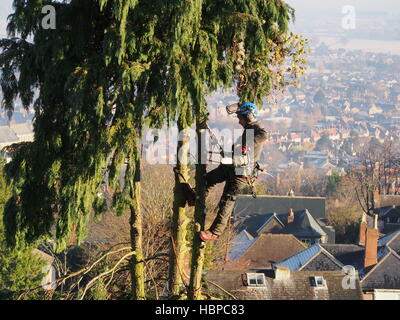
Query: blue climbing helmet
{"x": 242, "y": 109}
{"x": 246, "y": 108}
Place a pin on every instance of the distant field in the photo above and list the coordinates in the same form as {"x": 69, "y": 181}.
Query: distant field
{"x": 378, "y": 46}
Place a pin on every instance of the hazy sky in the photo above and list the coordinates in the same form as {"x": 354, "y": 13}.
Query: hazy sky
{"x": 301, "y": 6}
{"x": 5, "y": 10}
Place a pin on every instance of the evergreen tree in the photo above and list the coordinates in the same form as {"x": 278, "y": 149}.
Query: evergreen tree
{"x": 19, "y": 270}
{"x": 109, "y": 67}
{"x": 333, "y": 182}
{"x": 245, "y": 43}
{"x": 88, "y": 117}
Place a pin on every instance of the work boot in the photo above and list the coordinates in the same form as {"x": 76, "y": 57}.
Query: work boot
{"x": 208, "y": 236}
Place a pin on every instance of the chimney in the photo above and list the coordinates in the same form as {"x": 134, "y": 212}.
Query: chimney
{"x": 377, "y": 198}
{"x": 371, "y": 245}
{"x": 277, "y": 180}
{"x": 282, "y": 273}
{"x": 290, "y": 218}
{"x": 363, "y": 230}
{"x": 376, "y": 221}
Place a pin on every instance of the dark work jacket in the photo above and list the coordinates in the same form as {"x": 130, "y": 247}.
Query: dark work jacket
{"x": 260, "y": 136}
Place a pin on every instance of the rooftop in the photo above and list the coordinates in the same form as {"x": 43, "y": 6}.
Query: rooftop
{"x": 298, "y": 285}
{"x": 262, "y": 251}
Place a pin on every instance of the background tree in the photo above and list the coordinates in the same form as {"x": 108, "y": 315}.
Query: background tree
{"x": 93, "y": 93}
{"x": 377, "y": 173}
{"x": 324, "y": 143}
{"x": 19, "y": 270}
{"x": 343, "y": 210}
{"x": 367, "y": 177}
{"x": 332, "y": 183}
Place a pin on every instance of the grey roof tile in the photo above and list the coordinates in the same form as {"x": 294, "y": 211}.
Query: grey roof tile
{"x": 263, "y": 251}
{"x": 7, "y": 136}
{"x": 388, "y": 238}
{"x": 303, "y": 226}
{"x": 240, "y": 244}
{"x": 298, "y": 260}
{"x": 279, "y": 204}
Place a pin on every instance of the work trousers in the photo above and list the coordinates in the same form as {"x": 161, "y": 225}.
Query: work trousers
{"x": 233, "y": 186}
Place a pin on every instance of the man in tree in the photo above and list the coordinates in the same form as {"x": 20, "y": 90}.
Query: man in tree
{"x": 238, "y": 174}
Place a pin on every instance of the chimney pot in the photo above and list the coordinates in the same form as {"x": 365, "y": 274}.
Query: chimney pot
{"x": 363, "y": 230}
{"x": 371, "y": 247}
{"x": 291, "y": 216}
{"x": 377, "y": 198}
{"x": 282, "y": 273}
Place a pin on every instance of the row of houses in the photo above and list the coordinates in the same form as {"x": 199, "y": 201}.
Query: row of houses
{"x": 291, "y": 254}
{"x": 16, "y": 132}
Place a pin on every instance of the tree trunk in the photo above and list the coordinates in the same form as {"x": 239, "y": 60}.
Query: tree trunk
{"x": 179, "y": 218}
{"x": 198, "y": 246}
{"x": 136, "y": 231}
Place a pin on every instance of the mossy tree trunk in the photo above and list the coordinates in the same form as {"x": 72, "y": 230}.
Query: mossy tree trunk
{"x": 136, "y": 231}
{"x": 198, "y": 246}
{"x": 179, "y": 219}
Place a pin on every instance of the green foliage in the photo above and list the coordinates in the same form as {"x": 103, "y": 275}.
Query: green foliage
{"x": 99, "y": 291}
{"x": 333, "y": 182}
{"x": 111, "y": 69}
{"x": 106, "y": 71}
{"x": 19, "y": 270}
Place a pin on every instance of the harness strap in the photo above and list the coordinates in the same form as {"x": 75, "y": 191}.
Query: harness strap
{"x": 253, "y": 178}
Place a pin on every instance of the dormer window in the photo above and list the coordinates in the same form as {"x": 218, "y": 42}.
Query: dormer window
{"x": 306, "y": 241}
{"x": 392, "y": 220}
{"x": 255, "y": 279}
{"x": 318, "y": 282}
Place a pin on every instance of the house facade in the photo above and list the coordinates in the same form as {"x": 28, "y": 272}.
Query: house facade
{"x": 376, "y": 261}
{"x": 282, "y": 284}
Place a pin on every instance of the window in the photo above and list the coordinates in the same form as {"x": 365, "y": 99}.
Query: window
{"x": 392, "y": 220}
{"x": 318, "y": 282}
{"x": 255, "y": 279}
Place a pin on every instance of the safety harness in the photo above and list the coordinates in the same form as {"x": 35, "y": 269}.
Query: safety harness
{"x": 252, "y": 178}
